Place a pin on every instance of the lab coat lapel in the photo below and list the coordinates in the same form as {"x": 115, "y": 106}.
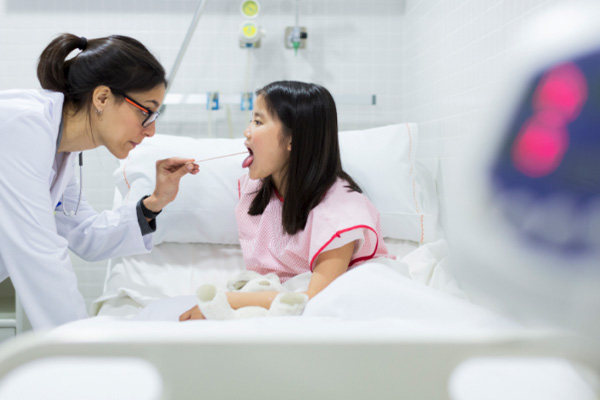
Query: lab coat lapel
{"x": 62, "y": 172}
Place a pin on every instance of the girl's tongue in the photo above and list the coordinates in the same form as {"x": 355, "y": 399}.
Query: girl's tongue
{"x": 246, "y": 163}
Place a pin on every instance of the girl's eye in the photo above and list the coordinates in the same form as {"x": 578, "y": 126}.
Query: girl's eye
{"x": 257, "y": 122}
{"x": 144, "y": 113}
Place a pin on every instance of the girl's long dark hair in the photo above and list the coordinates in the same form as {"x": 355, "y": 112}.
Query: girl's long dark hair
{"x": 119, "y": 62}
{"x": 308, "y": 115}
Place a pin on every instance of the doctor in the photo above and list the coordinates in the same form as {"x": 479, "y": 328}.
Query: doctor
{"x": 106, "y": 95}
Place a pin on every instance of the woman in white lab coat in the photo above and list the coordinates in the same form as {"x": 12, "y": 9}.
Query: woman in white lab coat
{"x": 106, "y": 95}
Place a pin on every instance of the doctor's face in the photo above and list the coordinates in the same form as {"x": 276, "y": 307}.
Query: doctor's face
{"x": 127, "y": 117}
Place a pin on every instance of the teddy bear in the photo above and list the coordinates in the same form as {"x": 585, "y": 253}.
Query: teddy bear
{"x": 213, "y": 303}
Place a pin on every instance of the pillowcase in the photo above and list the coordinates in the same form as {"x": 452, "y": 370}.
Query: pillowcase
{"x": 381, "y": 160}
{"x": 203, "y": 211}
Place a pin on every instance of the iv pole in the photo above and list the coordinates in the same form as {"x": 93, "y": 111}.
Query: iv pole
{"x": 184, "y": 46}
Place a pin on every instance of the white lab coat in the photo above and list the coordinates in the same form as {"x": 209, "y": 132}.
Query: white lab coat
{"x": 33, "y": 237}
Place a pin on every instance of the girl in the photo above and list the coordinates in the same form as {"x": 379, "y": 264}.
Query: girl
{"x": 108, "y": 94}
{"x": 298, "y": 210}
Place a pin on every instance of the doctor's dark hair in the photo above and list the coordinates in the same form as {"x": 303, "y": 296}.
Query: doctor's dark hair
{"x": 119, "y": 62}
{"x": 308, "y": 116}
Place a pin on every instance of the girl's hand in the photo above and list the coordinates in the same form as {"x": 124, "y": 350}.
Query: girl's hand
{"x": 192, "y": 313}
{"x": 168, "y": 174}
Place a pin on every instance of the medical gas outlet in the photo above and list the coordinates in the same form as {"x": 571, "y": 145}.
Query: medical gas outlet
{"x": 250, "y": 31}
{"x": 250, "y": 34}
{"x": 295, "y": 37}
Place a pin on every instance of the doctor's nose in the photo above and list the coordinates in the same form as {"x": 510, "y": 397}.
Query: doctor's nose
{"x": 150, "y": 130}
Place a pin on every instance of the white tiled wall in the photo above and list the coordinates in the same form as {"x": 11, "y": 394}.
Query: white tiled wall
{"x": 428, "y": 61}
{"x": 453, "y": 53}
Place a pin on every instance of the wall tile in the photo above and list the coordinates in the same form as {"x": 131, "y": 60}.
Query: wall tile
{"x": 453, "y": 52}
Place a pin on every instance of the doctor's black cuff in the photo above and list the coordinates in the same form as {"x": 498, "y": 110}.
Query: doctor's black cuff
{"x": 145, "y": 226}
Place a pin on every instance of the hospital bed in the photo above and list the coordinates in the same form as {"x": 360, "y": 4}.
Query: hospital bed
{"x": 386, "y": 329}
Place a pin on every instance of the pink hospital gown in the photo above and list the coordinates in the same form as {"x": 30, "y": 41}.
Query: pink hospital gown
{"x": 343, "y": 216}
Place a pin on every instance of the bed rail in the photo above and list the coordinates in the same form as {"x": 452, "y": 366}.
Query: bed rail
{"x": 299, "y": 366}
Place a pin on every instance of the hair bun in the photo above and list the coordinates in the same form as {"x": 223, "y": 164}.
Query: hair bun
{"x": 82, "y": 43}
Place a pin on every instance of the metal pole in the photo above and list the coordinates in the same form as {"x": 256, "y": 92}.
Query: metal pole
{"x": 184, "y": 46}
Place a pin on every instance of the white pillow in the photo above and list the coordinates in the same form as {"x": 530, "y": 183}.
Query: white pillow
{"x": 381, "y": 160}
{"x": 203, "y": 211}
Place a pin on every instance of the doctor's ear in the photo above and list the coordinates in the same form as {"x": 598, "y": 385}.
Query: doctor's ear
{"x": 100, "y": 98}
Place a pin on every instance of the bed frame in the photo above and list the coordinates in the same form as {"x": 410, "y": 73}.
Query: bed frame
{"x": 301, "y": 366}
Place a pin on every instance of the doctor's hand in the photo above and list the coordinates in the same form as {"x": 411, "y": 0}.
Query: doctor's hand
{"x": 192, "y": 313}
{"x": 168, "y": 174}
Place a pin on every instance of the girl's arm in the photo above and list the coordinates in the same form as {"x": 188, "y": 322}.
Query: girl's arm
{"x": 328, "y": 266}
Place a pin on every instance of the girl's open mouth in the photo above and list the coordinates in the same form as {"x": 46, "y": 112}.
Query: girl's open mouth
{"x": 246, "y": 163}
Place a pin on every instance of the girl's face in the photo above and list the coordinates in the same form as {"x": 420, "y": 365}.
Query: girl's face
{"x": 123, "y": 129}
{"x": 265, "y": 142}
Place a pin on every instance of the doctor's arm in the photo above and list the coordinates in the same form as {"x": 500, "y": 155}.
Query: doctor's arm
{"x": 123, "y": 231}
{"x": 329, "y": 266}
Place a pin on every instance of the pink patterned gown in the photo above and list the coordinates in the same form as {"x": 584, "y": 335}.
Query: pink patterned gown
{"x": 343, "y": 216}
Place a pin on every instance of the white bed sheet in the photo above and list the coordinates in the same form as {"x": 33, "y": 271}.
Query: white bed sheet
{"x": 378, "y": 289}
{"x": 176, "y": 269}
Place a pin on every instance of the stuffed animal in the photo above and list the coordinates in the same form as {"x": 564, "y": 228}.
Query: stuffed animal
{"x": 214, "y": 305}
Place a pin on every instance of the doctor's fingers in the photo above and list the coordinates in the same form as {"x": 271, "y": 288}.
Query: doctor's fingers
{"x": 178, "y": 166}
{"x": 172, "y": 164}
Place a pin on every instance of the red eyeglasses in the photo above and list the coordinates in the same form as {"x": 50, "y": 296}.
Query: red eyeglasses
{"x": 150, "y": 115}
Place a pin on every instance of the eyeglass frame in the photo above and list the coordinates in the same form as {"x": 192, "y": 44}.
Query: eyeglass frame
{"x": 152, "y": 115}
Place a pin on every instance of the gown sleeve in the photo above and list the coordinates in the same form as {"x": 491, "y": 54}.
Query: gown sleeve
{"x": 97, "y": 236}
{"x": 343, "y": 217}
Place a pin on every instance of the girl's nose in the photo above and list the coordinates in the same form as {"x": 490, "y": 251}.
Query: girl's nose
{"x": 247, "y": 132}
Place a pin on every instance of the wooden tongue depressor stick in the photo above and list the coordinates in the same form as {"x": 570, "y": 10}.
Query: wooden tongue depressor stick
{"x": 227, "y": 155}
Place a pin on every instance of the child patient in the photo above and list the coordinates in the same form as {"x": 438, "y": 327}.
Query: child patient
{"x": 298, "y": 210}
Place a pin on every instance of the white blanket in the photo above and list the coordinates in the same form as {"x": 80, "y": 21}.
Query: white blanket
{"x": 376, "y": 303}
{"x": 382, "y": 300}
{"x": 175, "y": 270}
{"x": 379, "y": 289}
